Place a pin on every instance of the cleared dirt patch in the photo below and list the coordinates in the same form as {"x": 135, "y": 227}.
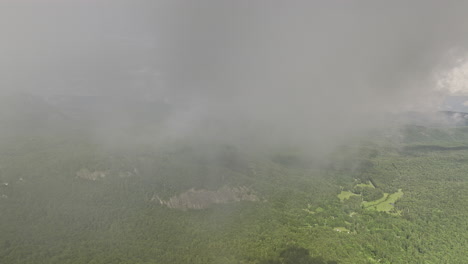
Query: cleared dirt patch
{"x": 201, "y": 199}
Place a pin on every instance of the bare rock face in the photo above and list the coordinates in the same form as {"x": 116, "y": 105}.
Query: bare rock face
{"x": 88, "y": 175}
{"x": 201, "y": 199}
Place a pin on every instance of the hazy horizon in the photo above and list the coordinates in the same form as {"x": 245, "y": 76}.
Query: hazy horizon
{"x": 316, "y": 72}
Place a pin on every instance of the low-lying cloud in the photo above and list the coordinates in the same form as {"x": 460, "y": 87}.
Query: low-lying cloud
{"x": 309, "y": 72}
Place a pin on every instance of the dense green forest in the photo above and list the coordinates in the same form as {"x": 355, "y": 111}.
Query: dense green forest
{"x": 66, "y": 198}
{"x": 233, "y": 132}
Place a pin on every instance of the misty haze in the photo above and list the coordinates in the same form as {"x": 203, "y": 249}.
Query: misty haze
{"x": 233, "y": 131}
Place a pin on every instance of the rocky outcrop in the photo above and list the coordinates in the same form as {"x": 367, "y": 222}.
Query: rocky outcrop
{"x": 91, "y": 175}
{"x": 86, "y": 174}
{"x": 201, "y": 199}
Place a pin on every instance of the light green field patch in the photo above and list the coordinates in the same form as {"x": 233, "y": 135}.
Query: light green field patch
{"x": 389, "y": 203}
{"x": 344, "y": 195}
{"x": 376, "y": 202}
{"x": 384, "y": 204}
{"x": 341, "y": 229}
{"x": 397, "y": 213}
{"x": 366, "y": 185}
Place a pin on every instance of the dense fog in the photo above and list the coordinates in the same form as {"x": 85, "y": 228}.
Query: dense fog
{"x": 312, "y": 73}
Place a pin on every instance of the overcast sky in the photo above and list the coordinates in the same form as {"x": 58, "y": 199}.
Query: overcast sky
{"x": 107, "y": 46}
{"x": 321, "y": 66}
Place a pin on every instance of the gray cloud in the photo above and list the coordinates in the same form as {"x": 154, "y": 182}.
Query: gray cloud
{"x": 306, "y": 70}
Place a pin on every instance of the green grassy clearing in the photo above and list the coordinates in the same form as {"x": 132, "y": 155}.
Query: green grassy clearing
{"x": 344, "y": 195}
{"x": 384, "y": 204}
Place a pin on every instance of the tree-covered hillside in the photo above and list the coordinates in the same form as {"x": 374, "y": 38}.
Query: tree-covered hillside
{"x": 68, "y": 198}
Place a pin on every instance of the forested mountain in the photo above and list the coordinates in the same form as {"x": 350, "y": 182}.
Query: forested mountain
{"x": 66, "y": 197}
